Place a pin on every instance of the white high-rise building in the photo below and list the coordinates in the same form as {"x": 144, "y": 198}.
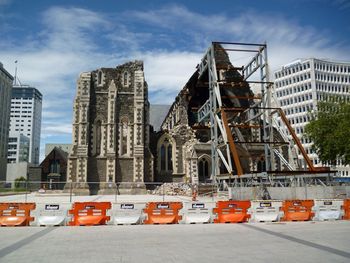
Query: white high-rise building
{"x": 26, "y": 107}
{"x": 5, "y": 99}
{"x": 301, "y": 84}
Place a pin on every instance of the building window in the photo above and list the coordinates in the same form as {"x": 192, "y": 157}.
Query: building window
{"x": 204, "y": 168}
{"x": 125, "y": 79}
{"x": 124, "y": 137}
{"x": 99, "y": 78}
{"x": 55, "y": 166}
{"x": 165, "y": 152}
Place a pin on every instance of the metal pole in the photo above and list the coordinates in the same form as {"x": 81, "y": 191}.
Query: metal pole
{"x": 70, "y": 192}
{"x": 25, "y": 198}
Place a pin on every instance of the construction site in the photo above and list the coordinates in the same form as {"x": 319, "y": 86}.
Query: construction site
{"x": 226, "y": 153}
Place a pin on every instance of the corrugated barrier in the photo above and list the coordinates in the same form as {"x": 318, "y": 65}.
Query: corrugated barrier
{"x": 16, "y": 214}
{"x": 89, "y": 213}
{"x": 51, "y": 214}
{"x": 197, "y": 213}
{"x": 328, "y": 209}
{"x": 297, "y": 210}
{"x": 127, "y": 213}
{"x": 162, "y": 212}
{"x": 265, "y": 210}
{"x": 231, "y": 211}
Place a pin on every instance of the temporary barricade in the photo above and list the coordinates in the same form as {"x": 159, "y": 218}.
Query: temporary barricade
{"x": 197, "y": 212}
{"x": 89, "y": 213}
{"x": 231, "y": 211}
{"x": 127, "y": 213}
{"x": 328, "y": 209}
{"x": 346, "y": 209}
{"x": 16, "y": 214}
{"x": 162, "y": 212}
{"x": 265, "y": 210}
{"x": 297, "y": 210}
{"x": 51, "y": 214}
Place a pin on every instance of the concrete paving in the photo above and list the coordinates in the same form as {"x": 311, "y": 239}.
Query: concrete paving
{"x": 273, "y": 242}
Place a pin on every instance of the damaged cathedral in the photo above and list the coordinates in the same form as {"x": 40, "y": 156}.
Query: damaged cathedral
{"x": 113, "y": 141}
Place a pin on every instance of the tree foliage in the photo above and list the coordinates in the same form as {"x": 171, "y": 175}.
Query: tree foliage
{"x": 329, "y": 130}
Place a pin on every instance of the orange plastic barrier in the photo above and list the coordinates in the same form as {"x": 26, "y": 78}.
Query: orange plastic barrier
{"x": 89, "y": 213}
{"x": 231, "y": 211}
{"x": 163, "y": 212}
{"x": 346, "y": 209}
{"x": 297, "y": 210}
{"x": 16, "y": 214}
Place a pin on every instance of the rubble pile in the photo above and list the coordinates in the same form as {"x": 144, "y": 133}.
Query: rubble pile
{"x": 173, "y": 189}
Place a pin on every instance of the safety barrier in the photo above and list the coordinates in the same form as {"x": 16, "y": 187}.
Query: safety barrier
{"x": 265, "y": 210}
{"x": 231, "y": 211}
{"x": 51, "y": 214}
{"x": 162, "y": 212}
{"x": 16, "y": 214}
{"x": 346, "y": 209}
{"x": 197, "y": 213}
{"x": 127, "y": 213}
{"x": 328, "y": 209}
{"x": 89, "y": 213}
{"x": 297, "y": 210}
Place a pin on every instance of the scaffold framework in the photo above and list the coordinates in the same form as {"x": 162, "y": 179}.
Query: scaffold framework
{"x": 247, "y": 137}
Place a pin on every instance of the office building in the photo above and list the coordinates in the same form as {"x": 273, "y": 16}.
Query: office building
{"x": 26, "y": 106}
{"x": 301, "y": 84}
{"x": 18, "y": 148}
{"x": 5, "y": 102}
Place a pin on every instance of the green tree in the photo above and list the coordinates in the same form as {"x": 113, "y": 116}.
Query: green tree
{"x": 329, "y": 129}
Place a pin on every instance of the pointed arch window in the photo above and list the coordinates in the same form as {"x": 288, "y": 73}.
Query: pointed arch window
{"x": 98, "y": 137}
{"x": 204, "y": 168}
{"x": 125, "y": 79}
{"x": 124, "y": 136}
{"x": 99, "y": 78}
{"x": 166, "y": 156}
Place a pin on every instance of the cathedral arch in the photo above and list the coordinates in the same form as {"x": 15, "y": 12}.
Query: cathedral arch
{"x": 125, "y": 79}
{"x": 99, "y": 77}
{"x": 124, "y": 137}
{"x": 204, "y": 168}
{"x": 166, "y": 153}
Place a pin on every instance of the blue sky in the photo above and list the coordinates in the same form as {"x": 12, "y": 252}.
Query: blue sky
{"x": 54, "y": 41}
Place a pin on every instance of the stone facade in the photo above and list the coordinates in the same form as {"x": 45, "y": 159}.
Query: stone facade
{"x": 183, "y": 146}
{"x": 111, "y": 128}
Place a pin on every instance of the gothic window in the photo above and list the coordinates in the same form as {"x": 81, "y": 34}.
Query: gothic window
{"x": 165, "y": 153}
{"x": 55, "y": 166}
{"x": 99, "y": 78}
{"x": 98, "y": 138}
{"x": 124, "y": 136}
{"x": 125, "y": 79}
{"x": 204, "y": 168}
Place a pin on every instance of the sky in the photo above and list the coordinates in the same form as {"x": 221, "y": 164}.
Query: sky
{"x": 54, "y": 41}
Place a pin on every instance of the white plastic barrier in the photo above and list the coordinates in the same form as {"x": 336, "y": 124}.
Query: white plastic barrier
{"x": 265, "y": 211}
{"x": 127, "y": 213}
{"x": 50, "y": 214}
{"x": 197, "y": 213}
{"x": 328, "y": 209}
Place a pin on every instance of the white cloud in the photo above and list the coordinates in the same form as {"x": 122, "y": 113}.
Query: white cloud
{"x": 74, "y": 40}
{"x": 5, "y": 2}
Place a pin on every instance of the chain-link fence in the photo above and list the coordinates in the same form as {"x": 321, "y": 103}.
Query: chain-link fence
{"x": 22, "y": 190}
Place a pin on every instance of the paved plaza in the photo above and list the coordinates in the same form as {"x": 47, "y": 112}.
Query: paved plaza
{"x": 263, "y": 242}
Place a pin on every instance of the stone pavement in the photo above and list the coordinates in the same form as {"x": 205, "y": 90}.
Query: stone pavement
{"x": 263, "y": 242}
